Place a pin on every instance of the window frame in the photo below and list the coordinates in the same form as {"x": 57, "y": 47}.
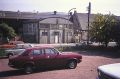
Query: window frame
{"x": 41, "y": 52}
{"x": 51, "y": 49}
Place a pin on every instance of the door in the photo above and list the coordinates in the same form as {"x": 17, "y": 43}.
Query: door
{"x": 44, "y": 36}
{"x": 56, "y": 39}
{"x": 54, "y": 58}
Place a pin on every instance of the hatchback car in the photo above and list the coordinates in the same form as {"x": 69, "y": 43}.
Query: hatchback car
{"x": 110, "y": 71}
{"x": 38, "y": 57}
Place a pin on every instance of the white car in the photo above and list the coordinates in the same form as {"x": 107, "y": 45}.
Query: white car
{"x": 110, "y": 71}
{"x": 18, "y": 49}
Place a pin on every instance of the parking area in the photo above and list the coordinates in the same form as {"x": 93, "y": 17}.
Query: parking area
{"x": 87, "y": 69}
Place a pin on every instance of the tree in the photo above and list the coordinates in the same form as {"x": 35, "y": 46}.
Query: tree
{"x": 6, "y": 31}
{"x": 116, "y": 33}
{"x": 101, "y": 28}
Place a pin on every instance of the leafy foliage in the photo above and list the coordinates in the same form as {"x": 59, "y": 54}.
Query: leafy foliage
{"x": 116, "y": 33}
{"x": 102, "y": 28}
{"x": 6, "y": 31}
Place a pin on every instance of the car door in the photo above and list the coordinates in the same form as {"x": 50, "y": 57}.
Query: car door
{"x": 38, "y": 56}
{"x": 51, "y": 57}
{"x": 60, "y": 59}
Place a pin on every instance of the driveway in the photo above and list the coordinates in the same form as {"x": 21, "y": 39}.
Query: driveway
{"x": 87, "y": 69}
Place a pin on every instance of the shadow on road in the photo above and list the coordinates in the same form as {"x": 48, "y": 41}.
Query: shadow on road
{"x": 11, "y": 73}
{"x": 91, "y": 50}
{"x": 21, "y": 72}
{"x": 100, "y": 53}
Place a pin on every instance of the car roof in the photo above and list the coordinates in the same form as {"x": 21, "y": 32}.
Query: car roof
{"x": 24, "y": 44}
{"x": 39, "y": 47}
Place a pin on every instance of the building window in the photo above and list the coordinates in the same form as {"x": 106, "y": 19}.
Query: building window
{"x": 25, "y": 28}
{"x": 56, "y": 33}
{"x": 61, "y": 26}
{"x": 35, "y": 27}
{"x": 69, "y": 33}
{"x": 30, "y": 28}
{"x": 44, "y": 33}
{"x": 44, "y": 26}
{"x": 70, "y": 26}
{"x": 54, "y": 26}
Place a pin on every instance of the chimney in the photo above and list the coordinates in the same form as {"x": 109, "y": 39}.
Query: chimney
{"x": 55, "y": 12}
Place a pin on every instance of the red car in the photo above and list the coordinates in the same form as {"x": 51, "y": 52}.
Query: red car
{"x": 44, "y": 57}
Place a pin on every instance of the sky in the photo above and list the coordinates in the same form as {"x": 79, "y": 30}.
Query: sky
{"x": 97, "y": 6}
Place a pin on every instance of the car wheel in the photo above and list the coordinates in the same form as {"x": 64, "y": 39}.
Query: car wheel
{"x": 72, "y": 64}
{"x": 28, "y": 69}
{"x": 10, "y": 55}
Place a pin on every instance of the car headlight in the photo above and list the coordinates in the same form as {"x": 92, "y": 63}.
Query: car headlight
{"x": 99, "y": 73}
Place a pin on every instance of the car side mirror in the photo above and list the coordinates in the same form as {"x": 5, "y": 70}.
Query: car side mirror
{"x": 58, "y": 53}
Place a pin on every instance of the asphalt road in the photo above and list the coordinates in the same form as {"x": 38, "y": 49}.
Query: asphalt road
{"x": 87, "y": 69}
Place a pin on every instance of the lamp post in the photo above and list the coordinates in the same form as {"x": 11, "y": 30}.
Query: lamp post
{"x": 68, "y": 20}
{"x": 69, "y": 13}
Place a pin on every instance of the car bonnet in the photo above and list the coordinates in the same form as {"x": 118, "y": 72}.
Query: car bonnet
{"x": 112, "y": 70}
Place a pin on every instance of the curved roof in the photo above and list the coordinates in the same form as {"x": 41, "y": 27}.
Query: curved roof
{"x": 55, "y": 20}
{"x": 30, "y": 15}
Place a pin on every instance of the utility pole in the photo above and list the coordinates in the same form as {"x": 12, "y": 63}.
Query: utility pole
{"x": 89, "y": 11}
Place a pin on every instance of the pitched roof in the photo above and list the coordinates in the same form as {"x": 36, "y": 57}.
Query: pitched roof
{"x": 83, "y": 19}
{"x": 30, "y": 15}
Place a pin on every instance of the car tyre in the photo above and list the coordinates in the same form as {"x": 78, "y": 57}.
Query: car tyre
{"x": 72, "y": 64}
{"x": 10, "y": 55}
{"x": 28, "y": 69}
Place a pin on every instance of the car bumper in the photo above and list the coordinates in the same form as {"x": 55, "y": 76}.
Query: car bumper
{"x": 15, "y": 65}
{"x": 11, "y": 65}
{"x": 80, "y": 60}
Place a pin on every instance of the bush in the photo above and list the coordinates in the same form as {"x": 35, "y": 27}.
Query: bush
{"x": 2, "y": 52}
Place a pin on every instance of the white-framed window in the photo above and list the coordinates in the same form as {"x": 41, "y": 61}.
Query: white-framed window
{"x": 30, "y": 28}
{"x": 25, "y": 28}
{"x": 44, "y": 33}
{"x": 69, "y": 33}
{"x": 54, "y": 26}
{"x": 44, "y": 26}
